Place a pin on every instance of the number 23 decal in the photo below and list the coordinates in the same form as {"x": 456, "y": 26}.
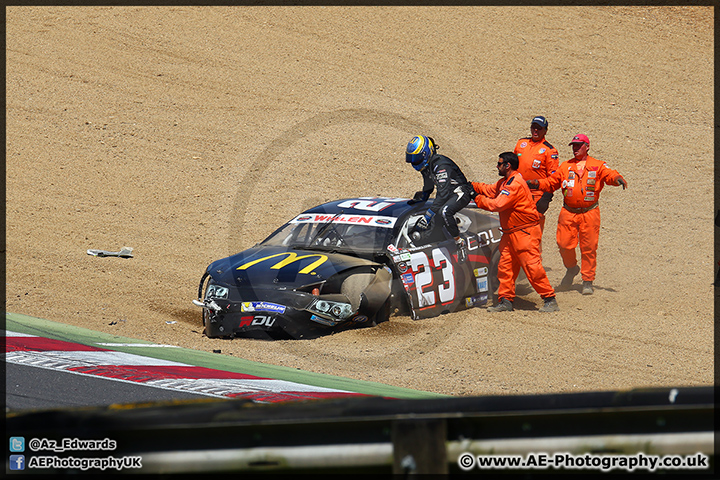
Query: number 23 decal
{"x": 424, "y": 278}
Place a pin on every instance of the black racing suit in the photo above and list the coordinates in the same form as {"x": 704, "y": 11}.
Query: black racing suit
{"x": 454, "y": 192}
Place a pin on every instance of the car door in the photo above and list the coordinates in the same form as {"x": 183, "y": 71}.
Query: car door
{"x": 434, "y": 282}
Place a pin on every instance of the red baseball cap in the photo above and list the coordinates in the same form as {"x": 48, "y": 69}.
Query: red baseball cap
{"x": 580, "y": 138}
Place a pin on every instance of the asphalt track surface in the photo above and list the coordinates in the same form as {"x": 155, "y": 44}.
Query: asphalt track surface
{"x": 54, "y": 371}
{"x": 50, "y": 365}
{"x": 37, "y": 388}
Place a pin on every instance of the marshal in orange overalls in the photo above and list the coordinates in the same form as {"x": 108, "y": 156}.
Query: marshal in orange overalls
{"x": 520, "y": 241}
{"x": 537, "y": 160}
{"x": 579, "y": 220}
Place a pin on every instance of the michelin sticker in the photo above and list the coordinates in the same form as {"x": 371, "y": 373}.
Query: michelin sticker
{"x": 262, "y": 307}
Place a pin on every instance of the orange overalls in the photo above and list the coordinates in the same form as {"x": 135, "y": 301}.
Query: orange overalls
{"x": 537, "y": 160}
{"x": 579, "y": 219}
{"x": 520, "y": 241}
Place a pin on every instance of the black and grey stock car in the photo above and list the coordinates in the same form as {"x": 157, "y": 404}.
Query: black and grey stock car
{"x": 346, "y": 264}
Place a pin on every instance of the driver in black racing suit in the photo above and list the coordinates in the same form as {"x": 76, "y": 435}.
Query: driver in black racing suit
{"x": 454, "y": 192}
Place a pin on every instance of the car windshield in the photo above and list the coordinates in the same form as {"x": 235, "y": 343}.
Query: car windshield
{"x": 341, "y": 233}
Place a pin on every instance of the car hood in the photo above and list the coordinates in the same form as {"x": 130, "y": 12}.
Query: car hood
{"x": 276, "y": 267}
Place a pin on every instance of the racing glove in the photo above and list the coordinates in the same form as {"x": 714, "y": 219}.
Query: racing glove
{"x": 420, "y": 196}
{"x": 424, "y": 222}
{"x": 534, "y": 184}
{"x": 544, "y": 202}
{"x": 619, "y": 180}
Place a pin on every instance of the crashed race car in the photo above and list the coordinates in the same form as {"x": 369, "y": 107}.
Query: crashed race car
{"x": 347, "y": 264}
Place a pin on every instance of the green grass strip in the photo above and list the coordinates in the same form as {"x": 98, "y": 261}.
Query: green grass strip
{"x": 19, "y": 323}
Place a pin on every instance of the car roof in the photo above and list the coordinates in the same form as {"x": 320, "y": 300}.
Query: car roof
{"x": 385, "y": 206}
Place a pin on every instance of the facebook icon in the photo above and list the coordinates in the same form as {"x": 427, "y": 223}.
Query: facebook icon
{"x": 17, "y": 462}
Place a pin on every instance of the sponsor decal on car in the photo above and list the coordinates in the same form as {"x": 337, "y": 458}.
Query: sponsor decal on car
{"x": 408, "y": 278}
{"x": 486, "y": 237}
{"x": 402, "y": 267}
{"x": 290, "y": 257}
{"x": 359, "y": 319}
{"x": 256, "y": 320}
{"x": 324, "y": 321}
{"x": 482, "y": 284}
{"x": 372, "y": 204}
{"x": 479, "y": 272}
{"x": 476, "y": 300}
{"x": 262, "y": 307}
{"x": 381, "y": 221}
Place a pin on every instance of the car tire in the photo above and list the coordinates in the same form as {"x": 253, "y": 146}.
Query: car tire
{"x": 354, "y": 286}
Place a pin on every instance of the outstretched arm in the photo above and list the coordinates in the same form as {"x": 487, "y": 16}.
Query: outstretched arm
{"x": 619, "y": 180}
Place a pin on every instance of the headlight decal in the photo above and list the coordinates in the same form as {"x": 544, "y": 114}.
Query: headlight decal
{"x": 216, "y": 291}
{"x": 331, "y": 310}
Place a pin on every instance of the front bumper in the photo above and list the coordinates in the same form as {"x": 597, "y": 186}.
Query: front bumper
{"x": 290, "y": 315}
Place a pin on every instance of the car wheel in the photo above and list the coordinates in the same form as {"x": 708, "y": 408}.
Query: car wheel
{"x": 354, "y": 286}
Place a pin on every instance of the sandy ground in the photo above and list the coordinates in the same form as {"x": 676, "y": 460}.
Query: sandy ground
{"x": 191, "y": 133}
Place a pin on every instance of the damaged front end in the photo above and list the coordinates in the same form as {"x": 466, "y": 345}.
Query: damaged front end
{"x": 353, "y": 298}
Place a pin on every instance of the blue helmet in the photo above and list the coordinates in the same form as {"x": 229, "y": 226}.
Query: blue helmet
{"x": 419, "y": 151}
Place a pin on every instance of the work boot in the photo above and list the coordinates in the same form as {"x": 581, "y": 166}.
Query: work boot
{"x": 587, "y": 287}
{"x": 569, "y": 276}
{"x": 504, "y": 305}
{"x": 550, "y": 305}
